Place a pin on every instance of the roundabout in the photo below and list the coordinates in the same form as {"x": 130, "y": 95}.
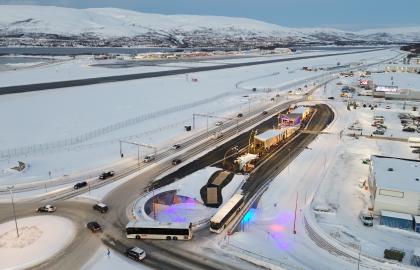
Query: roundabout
{"x": 40, "y": 238}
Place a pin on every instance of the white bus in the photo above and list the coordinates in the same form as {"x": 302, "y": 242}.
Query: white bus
{"x": 159, "y": 231}
{"x": 222, "y": 218}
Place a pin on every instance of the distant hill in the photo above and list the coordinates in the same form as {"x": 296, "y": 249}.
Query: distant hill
{"x": 58, "y": 26}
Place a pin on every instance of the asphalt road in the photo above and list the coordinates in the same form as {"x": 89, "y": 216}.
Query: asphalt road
{"x": 118, "y": 78}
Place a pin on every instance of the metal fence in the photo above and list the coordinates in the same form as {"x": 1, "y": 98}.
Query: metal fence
{"x": 43, "y": 147}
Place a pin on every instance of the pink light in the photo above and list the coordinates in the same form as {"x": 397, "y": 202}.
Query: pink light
{"x": 277, "y": 228}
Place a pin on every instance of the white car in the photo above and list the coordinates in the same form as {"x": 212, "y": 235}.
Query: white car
{"x": 135, "y": 253}
{"x": 366, "y": 218}
{"x": 219, "y": 123}
{"x": 47, "y": 208}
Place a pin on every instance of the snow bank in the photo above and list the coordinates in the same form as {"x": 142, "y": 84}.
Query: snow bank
{"x": 40, "y": 237}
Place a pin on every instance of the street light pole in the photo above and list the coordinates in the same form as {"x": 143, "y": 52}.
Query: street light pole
{"x": 294, "y": 221}
{"x": 14, "y": 211}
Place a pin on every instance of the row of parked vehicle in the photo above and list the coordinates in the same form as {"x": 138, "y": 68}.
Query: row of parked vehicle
{"x": 409, "y": 123}
{"x": 378, "y": 122}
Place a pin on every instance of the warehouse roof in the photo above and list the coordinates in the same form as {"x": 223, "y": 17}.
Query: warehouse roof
{"x": 271, "y": 133}
{"x": 396, "y": 173}
{"x": 300, "y": 110}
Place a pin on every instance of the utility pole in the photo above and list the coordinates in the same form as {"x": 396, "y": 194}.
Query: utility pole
{"x": 294, "y": 221}
{"x": 13, "y": 207}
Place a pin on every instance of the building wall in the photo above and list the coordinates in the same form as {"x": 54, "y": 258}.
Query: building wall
{"x": 396, "y": 201}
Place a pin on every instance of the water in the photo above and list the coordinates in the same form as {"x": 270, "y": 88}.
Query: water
{"x": 9, "y": 63}
{"x": 80, "y": 51}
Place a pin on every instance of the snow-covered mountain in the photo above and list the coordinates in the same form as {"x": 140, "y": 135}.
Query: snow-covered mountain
{"x": 112, "y": 25}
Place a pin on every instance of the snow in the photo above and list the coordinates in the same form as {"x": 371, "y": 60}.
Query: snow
{"x": 385, "y": 213}
{"x": 194, "y": 210}
{"x": 70, "y": 69}
{"x": 40, "y": 238}
{"x": 402, "y": 177}
{"x": 112, "y": 22}
{"x": 329, "y": 175}
{"x": 101, "y": 261}
{"x": 99, "y": 109}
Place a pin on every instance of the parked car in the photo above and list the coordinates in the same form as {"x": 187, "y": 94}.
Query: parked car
{"x": 264, "y": 112}
{"x": 219, "y": 123}
{"x": 176, "y": 161}
{"x": 176, "y": 146}
{"x": 47, "y": 208}
{"x": 101, "y": 207}
{"x": 106, "y": 175}
{"x": 332, "y": 98}
{"x": 94, "y": 226}
{"x": 80, "y": 185}
{"x": 366, "y": 218}
{"x": 135, "y": 253}
{"x": 388, "y": 107}
{"x": 240, "y": 115}
{"x": 409, "y": 129}
{"x": 379, "y": 132}
{"x": 149, "y": 158}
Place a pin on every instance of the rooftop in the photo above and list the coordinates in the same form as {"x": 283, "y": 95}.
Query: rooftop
{"x": 271, "y": 133}
{"x": 300, "y": 110}
{"x": 396, "y": 173}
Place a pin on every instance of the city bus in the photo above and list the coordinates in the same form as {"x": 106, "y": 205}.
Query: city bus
{"x": 222, "y": 218}
{"x": 158, "y": 231}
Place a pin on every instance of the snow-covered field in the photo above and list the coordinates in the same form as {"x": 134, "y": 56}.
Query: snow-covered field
{"x": 40, "y": 238}
{"x": 64, "y": 116}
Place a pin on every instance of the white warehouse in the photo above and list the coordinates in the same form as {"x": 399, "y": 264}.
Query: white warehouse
{"x": 395, "y": 185}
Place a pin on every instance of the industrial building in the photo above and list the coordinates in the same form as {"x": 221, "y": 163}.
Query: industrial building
{"x": 395, "y": 185}
{"x": 295, "y": 117}
{"x": 272, "y": 137}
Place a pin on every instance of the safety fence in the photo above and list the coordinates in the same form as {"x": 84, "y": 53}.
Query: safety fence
{"x": 30, "y": 149}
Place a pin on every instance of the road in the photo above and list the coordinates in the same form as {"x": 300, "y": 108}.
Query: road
{"x": 164, "y": 255}
{"x": 118, "y": 78}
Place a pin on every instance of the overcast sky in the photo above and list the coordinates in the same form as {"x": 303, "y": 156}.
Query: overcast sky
{"x": 344, "y": 14}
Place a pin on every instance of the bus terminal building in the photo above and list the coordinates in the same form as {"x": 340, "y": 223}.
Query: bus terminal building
{"x": 395, "y": 185}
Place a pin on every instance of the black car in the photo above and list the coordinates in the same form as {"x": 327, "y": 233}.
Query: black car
{"x": 94, "y": 226}
{"x": 409, "y": 129}
{"x": 240, "y": 115}
{"x": 106, "y": 175}
{"x": 176, "y": 161}
{"x": 80, "y": 185}
{"x": 176, "y": 146}
{"x": 331, "y": 98}
{"x": 264, "y": 112}
{"x": 101, "y": 207}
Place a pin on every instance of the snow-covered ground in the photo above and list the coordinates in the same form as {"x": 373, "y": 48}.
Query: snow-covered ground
{"x": 97, "y": 118}
{"x": 328, "y": 177}
{"x": 194, "y": 210}
{"x": 40, "y": 238}
{"x": 101, "y": 261}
